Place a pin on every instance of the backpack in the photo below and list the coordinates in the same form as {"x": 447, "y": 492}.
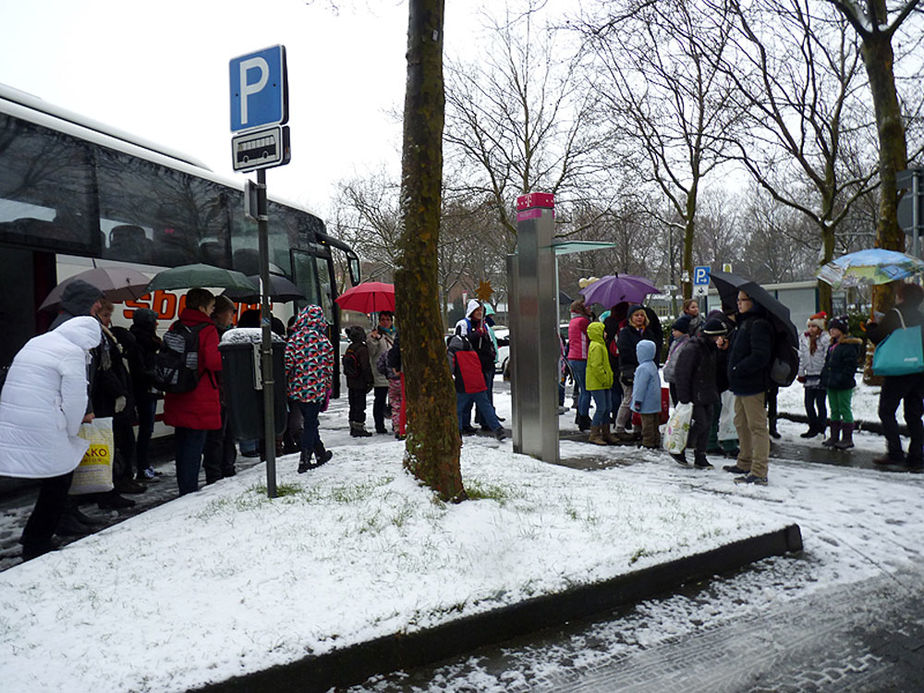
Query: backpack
{"x": 176, "y": 364}
{"x": 670, "y": 366}
{"x": 784, "y": 363}
{"x": 351, "y": 368}
{"x": 381, "y": 363}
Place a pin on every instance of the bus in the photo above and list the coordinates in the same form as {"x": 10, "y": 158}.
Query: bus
{"x": 75, "y": 194}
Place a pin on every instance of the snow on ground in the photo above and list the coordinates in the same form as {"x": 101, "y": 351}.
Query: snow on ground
{"x": 356, "y": 549}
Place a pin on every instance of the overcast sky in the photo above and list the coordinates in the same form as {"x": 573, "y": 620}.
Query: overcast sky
{"x": 160, "y": 70}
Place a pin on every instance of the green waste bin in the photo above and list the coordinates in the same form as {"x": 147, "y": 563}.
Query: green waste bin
{"x": 242, "y": 382}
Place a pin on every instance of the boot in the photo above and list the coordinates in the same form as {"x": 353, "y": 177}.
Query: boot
{"x": 323, "y": 456}
{"x": 304, "y": 461}
{"x": 607, "y": 435}
{"x": 835, "y": 434}
{"x": 846, "y": 440}
{"x": 583, "y": 422}
{"x": 358, "y": 430}
{"x": 596, "y": 436}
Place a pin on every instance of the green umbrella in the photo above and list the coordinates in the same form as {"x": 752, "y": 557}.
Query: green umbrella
{"x": 188, "y": 276}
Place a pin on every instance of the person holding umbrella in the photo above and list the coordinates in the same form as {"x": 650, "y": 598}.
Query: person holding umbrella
{"x": 748, "y": 378}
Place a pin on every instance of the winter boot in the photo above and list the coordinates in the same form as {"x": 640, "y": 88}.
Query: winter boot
{"x": 607, "y": 435}
{"x": 596, "y": 437}
{"x": 358, "y": 430}
{"x": 846, "y": 440}
{"x": 323, "y": 456}
{"x": 835, "y": 436}
{"x": 583, "y": 422}
{"x": 304, "y": 461}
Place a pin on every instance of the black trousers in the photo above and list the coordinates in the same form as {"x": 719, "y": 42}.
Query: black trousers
{"x": 49, "y": 506}
{"x": 356, "y": 396}
{"x": 378, "y": 407}
{"x": 698, "y": 438}
{"x": 219, "y": 454}
{"x": 895, "y": 389}
{"x": 815, "y": 408}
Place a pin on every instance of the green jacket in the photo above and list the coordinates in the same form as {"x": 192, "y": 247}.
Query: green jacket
{"x": 599, "y": 371}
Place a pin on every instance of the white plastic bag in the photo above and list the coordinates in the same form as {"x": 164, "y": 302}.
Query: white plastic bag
{"x": 727, "y": 429}
{"x": 94, "y": 473}
{"x": 678, "y": 428}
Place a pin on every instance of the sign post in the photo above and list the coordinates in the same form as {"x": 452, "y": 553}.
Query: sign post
{"x": 259, "y": 111}
{"x": 911, "y": 206}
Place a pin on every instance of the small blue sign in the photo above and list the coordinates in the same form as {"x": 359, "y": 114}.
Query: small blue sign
{"x": 701, "y": 275}
{"x": 259, "y": 89}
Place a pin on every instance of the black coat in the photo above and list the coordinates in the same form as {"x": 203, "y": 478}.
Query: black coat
{"x": 695, "y": 372}
{"x": 750, "y": 353}
{"x": 628, "y": 339}
{"x": 364, "y": 381}
{"x": 841, "y": 364}
{"x": 891, "y": 322}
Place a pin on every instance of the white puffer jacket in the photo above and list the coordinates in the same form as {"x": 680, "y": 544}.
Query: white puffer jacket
{"x": 811, "y": 364}
{"x": 44, "y": 400}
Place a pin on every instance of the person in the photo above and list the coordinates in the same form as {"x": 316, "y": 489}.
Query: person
{"x": 599, "y": 381}
{"x": 723, "y": 439}
{"x": 577, "y": 361}
{"x": 637, "y": 329}
{"x": 379, "y": 341}
{"x": 696, "y": 383}
{"x": 220, "y": 452}
{"x": 680, "y": 335}
{"x": 193, "y": 414}
{"x": 42, "y": 404}
{"x": 359, "y": 379}
{"x": 475, "y": 329}
{"x": 837, "y": 377}
{"x": 646, "y": 393}
{"x": 471, "y": 389}
{"x": 813, "y": 346}
{"x": 690, "y": 310}
{"x": 309, "y": 361}
{"x": 141, "y": 366}
{"x": 396, "y": 389}
{"x": 748, "y": 378}
{"x": 613, "y": 323}
{"x": 908, "y": 389}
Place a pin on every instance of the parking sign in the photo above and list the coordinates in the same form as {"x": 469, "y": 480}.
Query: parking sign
{"x": 259, "y": 89}
{"x": 701, "y": 275}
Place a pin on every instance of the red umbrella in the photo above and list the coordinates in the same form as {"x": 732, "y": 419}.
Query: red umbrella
{"x": 368, "y": 297}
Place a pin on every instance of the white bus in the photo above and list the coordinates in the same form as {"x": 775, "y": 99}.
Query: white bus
{"x": 75, "y": 193}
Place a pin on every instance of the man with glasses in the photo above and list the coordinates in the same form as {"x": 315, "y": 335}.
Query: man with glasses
{"x": 749, "y": 361}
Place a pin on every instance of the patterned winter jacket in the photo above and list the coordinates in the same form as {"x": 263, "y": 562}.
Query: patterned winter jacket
{"x": 309, "y": 357}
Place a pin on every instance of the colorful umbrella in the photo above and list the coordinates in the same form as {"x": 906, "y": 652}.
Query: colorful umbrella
{"x": 188, "y": 276}
{"x": 613, "y": 289}
{"x": 870, "y": 266}
{"x": 368, "y": 297}
{"x": 116, "y": 283}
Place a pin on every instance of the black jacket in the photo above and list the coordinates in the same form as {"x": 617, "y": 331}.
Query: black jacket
{"x": 695, "y": 373}
{"x": 750, "y": 353}
{"x": 364, "y": 381}
{"x": 628, "y": 339}
{"x": 891, "y": 322}
{"x": 841, "y": 364}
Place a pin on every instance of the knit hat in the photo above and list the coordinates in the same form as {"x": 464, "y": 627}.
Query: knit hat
{"x": 818, "y": 320}
{"x": 144, "y": 316}
{"x": 682, "y": 324}
{"x": 841, "y": 323}
{"x": 715, "y": 327}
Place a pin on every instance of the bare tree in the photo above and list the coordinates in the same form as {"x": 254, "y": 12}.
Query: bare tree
{"x": 367, "y": 216}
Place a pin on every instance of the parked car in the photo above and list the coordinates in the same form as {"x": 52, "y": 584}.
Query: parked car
{"x": 502, "y": 334}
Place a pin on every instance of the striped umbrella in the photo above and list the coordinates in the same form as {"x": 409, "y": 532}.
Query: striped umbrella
{"x": 870, "y": 266}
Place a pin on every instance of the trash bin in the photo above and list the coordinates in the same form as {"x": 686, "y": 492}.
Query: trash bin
{"x": 242, "y": 382}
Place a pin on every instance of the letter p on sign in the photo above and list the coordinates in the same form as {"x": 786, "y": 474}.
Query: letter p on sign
{"x": 259, "y": 93}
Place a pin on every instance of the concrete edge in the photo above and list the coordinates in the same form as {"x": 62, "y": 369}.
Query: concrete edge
{"x": 353, "y": 665}
{"x": 859, "y": 424}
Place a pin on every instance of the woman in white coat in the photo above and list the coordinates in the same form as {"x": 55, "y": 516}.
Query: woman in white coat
{"x": 43, "y": 403}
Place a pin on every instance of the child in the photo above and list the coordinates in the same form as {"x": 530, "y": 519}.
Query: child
{"x": 837, "y": 377}
{"x": 470, "y": 385}
{"x": 599, "y": 381}
{"x": 358, "y": 372}
{"x": 396, "y": 389}
{"x": 813, "y": 347}
{"x": 646, "y": 393}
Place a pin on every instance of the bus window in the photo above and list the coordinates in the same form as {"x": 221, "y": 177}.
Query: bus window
{"x": 305, "y": 277}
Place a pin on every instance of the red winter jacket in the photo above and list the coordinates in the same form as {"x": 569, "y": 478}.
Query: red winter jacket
{"x": 201, "y": 408}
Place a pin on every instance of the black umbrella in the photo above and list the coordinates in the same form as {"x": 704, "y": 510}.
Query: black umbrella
{"x": 281, "y": 290}
{"x": 728, "y": 285}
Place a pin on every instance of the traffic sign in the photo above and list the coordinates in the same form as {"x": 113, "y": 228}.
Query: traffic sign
{"x": 700, "y": 289}
{"x": 259, "y": 89}
{"x": 701, "y": 275}
{"x": 264, "y": 148}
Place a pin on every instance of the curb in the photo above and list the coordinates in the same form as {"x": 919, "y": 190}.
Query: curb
{"x": 860, "y": 424}
{"x": 353, "y": 665}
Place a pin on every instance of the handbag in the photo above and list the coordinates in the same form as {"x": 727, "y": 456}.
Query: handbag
{"x": 94, "y": 473}
{"x": 678, "y": 428}
{"x": 900, "y": 353}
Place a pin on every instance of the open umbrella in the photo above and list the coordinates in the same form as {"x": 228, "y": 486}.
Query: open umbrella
{"x": 188, "y": 276}
{"x": 368, "y": 297}
{"x": 728, "y": 285}
{"x": 116, "y": 283}
{"x": 281, "y": 290}
{"x": 613, "y": 289}
{"x": 870, "y": 266}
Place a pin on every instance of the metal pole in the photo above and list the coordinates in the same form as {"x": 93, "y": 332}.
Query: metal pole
{"x": 266, "y": 319}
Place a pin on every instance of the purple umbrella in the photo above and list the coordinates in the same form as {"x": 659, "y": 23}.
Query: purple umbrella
{"x": 613, "y": 289}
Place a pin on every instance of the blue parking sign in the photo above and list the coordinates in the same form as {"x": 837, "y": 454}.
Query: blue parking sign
{"x": 259, "y": 89}
{"x": 701, "y": 275}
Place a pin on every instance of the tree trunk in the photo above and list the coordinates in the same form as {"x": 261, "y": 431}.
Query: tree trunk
{"x": 689, "y": 229}
{"x": 433, "y": 442}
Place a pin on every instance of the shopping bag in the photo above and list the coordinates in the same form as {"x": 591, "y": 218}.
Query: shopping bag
{"x": 900, "y": 353}
{"x": 727, "y": 430}
{"x": 678, "y": 428}
{"x": 94, "y": 473}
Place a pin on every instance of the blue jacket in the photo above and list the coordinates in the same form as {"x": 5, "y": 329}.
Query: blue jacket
{"x": 646, "y": 390}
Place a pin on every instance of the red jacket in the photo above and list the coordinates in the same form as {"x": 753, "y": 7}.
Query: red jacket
{"x": 201, "y": 408}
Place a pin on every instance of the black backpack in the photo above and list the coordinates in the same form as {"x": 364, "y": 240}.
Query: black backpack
{"x": 176, "y": 364}
{"x": 784, "y": 364}
{"x": 351, "y": 368}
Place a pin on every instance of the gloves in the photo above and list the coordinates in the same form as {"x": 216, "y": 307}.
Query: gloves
{"x": 120, "y": 404}
{"x": 637, "y": 407}
{"x": 801, "y": 378}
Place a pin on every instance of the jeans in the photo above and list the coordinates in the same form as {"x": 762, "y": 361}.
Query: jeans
{"x": 579, "y": 373}
{"x": 190, "y": 443}
{"x": 603, "y": 405}
{"x": 310, "y": 435}
{"x": 815, "y": 408}
{"x": 464, "y": 402}
{"x": 910, "y": 389}
{"x": 147, "y": 407}
{"x": 378, "y": 407}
